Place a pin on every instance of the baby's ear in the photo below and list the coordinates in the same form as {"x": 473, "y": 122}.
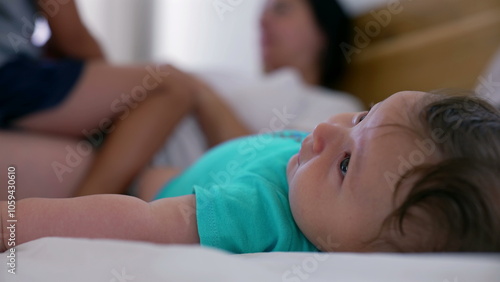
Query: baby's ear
{"x": 414, "y": 231}
{"x": 381, "y": 245}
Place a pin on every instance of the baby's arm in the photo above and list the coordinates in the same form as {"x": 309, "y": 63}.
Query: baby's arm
{"x": 170, "y": 220}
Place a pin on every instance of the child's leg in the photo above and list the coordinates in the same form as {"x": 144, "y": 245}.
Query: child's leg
{"x": 45, "y": 166}
{"x": 136, "y": 138}
{"x": 101, "y": 216}
{"x": 103, "y": 92}
{"x": 153, "y": 179}
{"x": 216, "y": 118}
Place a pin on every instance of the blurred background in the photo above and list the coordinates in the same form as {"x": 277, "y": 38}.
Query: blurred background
{"x": 191, "y": 33}
{"x": 429, "y": 44}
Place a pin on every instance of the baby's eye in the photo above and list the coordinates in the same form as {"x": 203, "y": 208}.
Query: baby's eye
{"x": 344, "y": 164}
{"x": 362, "y": 117}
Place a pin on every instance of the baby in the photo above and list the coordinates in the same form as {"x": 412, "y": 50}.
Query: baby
{"x": 417, "y": 173}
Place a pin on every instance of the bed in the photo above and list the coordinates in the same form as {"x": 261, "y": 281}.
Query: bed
{"x": 63, "y": 259}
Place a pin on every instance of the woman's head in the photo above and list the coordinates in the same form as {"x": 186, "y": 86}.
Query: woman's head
{"x": 305, "y": 34}
{"x": 387, "y": 180}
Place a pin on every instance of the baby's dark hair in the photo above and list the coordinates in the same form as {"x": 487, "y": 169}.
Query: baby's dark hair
{"x": 454, "y": 205}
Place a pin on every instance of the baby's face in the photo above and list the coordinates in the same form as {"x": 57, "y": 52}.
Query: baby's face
{"x": 340, "y": 185}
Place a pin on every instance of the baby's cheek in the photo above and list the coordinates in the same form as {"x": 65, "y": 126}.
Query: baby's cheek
{"x": 305, "y": 213}
{"x": 298, "y": 207}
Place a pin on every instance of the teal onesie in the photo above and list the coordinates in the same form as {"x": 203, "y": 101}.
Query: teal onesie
{"x": 241, "y": 194}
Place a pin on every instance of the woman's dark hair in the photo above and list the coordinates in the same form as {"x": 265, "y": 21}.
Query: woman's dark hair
{"x": 336, "y": 26}
{"x": 454, "y": 206}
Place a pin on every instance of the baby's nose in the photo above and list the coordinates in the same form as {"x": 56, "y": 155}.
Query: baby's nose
{"x": 323, "y": 134}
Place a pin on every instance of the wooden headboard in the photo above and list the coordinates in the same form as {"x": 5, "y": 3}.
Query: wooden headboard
{"x": 426, "y": 45}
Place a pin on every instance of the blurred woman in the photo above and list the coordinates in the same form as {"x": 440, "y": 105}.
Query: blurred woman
{"x": 305, "y": 35}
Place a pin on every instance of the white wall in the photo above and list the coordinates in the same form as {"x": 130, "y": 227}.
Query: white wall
{"x": 189, "y": 33}
{"x": 123, "y": 27}
{"x": 195, "y": 34}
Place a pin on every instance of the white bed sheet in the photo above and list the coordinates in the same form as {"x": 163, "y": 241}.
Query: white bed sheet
{"x": 63, "y": 259}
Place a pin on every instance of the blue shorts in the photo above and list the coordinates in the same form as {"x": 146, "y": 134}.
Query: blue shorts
{"x": 28, "y": 85}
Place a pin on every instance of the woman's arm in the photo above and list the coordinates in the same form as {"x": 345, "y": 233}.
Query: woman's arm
{"x": 70, "y": 37}
{"x": 166, "y": 221}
